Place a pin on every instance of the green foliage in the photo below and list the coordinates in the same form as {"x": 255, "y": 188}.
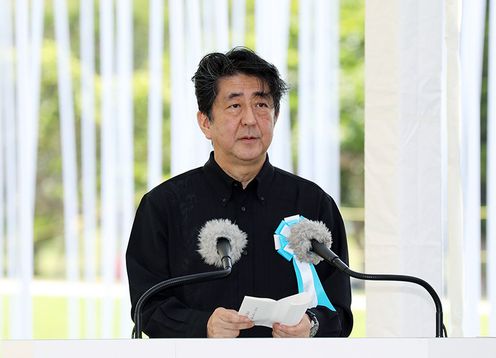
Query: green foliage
{"x": 352, "y": 102}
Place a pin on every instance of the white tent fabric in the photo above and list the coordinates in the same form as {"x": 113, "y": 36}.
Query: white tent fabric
{"x": 404, "y": 125}
{"x": 422, "y": 159}
{"x": 453, "y": 204}
{"x": 472, "y": 42}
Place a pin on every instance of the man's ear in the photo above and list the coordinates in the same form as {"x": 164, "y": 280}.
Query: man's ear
{"x": 204, "y": 124}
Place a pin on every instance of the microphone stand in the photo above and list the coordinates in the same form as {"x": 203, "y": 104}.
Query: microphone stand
{"x": 327, "y": 254}
{"x": 176, "y": 281}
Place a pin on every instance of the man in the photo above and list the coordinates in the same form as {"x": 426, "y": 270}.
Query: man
{"x": 238, "y": 96}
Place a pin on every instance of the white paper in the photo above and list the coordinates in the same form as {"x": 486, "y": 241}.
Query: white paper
{"x": 266, "y": 311}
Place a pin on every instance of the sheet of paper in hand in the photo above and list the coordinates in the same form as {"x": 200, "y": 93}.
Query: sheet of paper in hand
{"x": 266, "y": 311}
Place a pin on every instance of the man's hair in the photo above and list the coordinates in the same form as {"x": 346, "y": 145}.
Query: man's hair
{"x": 239, "y": 60}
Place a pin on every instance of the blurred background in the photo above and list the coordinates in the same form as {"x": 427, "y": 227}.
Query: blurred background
{"x": 97, "y": 107}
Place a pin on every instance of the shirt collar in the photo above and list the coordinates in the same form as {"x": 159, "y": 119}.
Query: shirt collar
{"x": 223, "y": 183}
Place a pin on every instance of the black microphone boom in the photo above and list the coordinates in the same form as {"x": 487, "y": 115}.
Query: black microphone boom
{"x": 327, "y": 254}
{"x": 223, "y": 249}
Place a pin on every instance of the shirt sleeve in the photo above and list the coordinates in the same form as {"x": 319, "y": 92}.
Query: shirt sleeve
{"x": 336, "y": 284}
{"x": 163, "y": 315}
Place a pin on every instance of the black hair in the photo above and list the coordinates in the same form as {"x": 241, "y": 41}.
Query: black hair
{"x": 239, "y": 60}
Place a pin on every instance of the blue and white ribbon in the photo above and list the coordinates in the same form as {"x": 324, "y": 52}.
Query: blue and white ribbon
{"x": 306, "y": 276}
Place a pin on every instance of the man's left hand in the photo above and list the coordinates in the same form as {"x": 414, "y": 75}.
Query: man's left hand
{"x": 301, "y": 330}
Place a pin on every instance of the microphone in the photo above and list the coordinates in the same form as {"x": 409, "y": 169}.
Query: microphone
{"x": 311, "y": 242}
{"x": 220, "y": 244}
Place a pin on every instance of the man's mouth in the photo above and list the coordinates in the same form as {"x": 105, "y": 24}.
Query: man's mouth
{"x": 247, "y": 138}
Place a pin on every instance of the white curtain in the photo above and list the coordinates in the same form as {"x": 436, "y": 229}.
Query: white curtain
{"x": 404, "y": 127}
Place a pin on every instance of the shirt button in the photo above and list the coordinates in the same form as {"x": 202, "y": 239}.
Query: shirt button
{"x": 262, "y": 198}
{"x": 243, "y": 208}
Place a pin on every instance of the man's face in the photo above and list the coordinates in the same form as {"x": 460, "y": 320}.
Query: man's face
{"x": 242, "y": 120}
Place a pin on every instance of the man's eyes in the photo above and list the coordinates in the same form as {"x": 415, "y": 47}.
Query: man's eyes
{"x": 261, "y": 105}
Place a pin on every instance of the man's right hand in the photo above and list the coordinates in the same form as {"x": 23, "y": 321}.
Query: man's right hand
{"x": 224, "y": 323}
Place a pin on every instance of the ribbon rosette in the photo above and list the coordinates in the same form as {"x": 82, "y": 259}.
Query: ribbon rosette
{"x": 306, "y": 276}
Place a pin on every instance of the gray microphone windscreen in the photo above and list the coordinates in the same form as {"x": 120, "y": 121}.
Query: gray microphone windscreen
{"x": 214, "y": 229}
{"x": 300, "y": 239}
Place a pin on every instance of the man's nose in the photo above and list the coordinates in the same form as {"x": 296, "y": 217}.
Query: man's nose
{"x": 249, "y": 118}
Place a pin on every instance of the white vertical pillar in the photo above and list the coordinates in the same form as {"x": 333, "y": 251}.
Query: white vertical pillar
{"x": 318, "y": 97}
{"x": 10, "y": 130}
{"x": 69, "y": 162}
{"x": 403, "y": 169}
{"x": 108, "y": 162}
{"x": 491, "y": 171}
{"x": 194, "y": 155}
{"x": 24, "y": 110}
{"x": 472, "y": 40}
{"x": 125, "y": 148}
{"x": 36, "y": 43}
{"x": 186, "y": 44}
{"x": 88, "y": 156}
{"x": 3, "y": 126}
{"x": 221, "y": 25}
{"x": 176, "y": 37}
{"x": 238, "y": 16}
{"x": 326, "y": 97}
{"x": 306, "y": 80}
{"x": 272, "y": 37}
{"x": 208, "y": 25}
{"x": 155, "y": 51}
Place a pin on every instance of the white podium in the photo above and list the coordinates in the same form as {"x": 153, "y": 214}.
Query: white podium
{"x": 255, "y": 347}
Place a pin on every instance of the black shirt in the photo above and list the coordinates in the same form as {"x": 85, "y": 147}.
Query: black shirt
{"x": 164, "y": 244}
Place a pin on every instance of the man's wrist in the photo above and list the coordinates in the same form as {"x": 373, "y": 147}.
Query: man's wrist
{"x": 314, "y": 323}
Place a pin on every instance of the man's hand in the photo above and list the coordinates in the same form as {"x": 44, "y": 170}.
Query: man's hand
{"x": 224, "y": 323}
{"x": 302, "y": 329}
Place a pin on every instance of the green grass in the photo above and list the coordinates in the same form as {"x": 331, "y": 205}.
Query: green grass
{"x": 50, "y": 319}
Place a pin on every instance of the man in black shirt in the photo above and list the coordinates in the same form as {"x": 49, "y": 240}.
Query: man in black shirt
{"x": 238, "y": 97}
